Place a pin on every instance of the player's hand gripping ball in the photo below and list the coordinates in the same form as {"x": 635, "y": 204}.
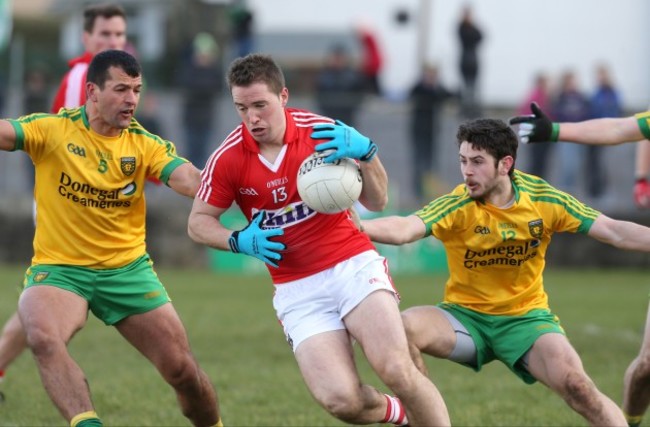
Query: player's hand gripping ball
{"x": 329, "y": 187}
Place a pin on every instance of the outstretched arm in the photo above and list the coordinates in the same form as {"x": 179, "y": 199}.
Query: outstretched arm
{"x": 7, "y": 136}
{"x": 606, "y": 131}
{"x": 538, "y": 127}
{"x": 621, "y": 234}
{"x": 394, "y": 230}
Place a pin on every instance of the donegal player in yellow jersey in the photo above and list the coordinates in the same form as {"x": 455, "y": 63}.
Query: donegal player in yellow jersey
{"x": 538, "y": 127}
{"x": 496, "y": 228}
{"x": 89, "y": 247}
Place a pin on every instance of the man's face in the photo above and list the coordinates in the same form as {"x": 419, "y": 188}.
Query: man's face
{"x": 262, "y": 111}
{"x": 117, "y": 101}
{"x": 107, "y": 33}
{"x": 480, "y": 171}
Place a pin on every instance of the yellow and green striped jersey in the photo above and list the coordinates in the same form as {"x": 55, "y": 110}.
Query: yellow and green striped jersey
{"x": 89, "y": 188}
{"x": 496, "y": 256}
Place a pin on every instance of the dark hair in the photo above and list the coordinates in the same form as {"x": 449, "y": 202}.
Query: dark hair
{"x": 256, "y": 68}
{"x": 98, "y": 68}
{"x": 104, "y": 10}
{"x": 491, "y": 135}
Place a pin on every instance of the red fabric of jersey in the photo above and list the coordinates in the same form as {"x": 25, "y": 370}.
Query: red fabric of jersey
{"x": 237, "y": 173}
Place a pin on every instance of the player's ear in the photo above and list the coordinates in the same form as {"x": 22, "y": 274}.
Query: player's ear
{"x": 284, "y": 97}
{"x": 505, "y": 164}
{"x": 91, "y": 91}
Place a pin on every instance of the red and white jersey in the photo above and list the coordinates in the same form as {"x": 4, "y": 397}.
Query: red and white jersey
{"x": 237, "y": 172}
{"x": 72, "y": 90}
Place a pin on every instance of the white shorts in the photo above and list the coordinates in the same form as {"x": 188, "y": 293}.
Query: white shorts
{"x": 318, "y": 303}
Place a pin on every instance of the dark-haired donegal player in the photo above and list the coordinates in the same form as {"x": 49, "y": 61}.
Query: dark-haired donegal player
{"x": 496, "y": 228}
{"x": 89, "y": 247}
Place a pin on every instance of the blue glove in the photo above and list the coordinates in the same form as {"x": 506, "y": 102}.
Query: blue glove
{"x": 255, "y": 241}
{"x": 345, "y": 140}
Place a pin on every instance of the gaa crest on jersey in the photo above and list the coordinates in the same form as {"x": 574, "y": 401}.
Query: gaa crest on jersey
{"x": 536, "y": 227}
{"x": 127, "y": 164}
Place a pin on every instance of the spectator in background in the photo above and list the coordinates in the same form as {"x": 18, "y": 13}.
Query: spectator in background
{"x": 241, "y": 20}
{"x": 36, "y": 96}
{"x": 470, "y": 37}
{"x": 371, "y": 60}
{"x": 339, "y": 87}
{"x": 539, "y": 153}
{"x": 570, "y": 105}
{"x": 427, "y": 98}
{"x": 200, "y": 81}
{"x": 147, "y": 114}
{"x": 104, "y": 28}
{"x": 605, "y": 102}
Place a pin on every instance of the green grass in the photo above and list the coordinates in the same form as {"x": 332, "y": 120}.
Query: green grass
{"x": 237, "y": 340}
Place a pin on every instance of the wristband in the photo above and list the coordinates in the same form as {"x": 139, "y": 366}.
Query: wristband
{"x": 372, "y": 151}
{"x": 555, "y": 132}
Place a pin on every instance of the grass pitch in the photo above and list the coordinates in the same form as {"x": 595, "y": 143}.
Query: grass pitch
{"x": 236, "y": 338}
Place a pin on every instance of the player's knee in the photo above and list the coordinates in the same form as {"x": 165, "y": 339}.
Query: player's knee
{"x": 43, "y": 343}
{"x": 398, "y": 374}
{"x": 181, "y": 372}
{"x": 578, "y": 387}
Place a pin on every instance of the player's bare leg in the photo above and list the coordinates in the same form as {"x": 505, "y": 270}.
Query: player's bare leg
{"x": 50, "y": 317}
{"x": 636, "y": 390}
{"x": 428, "y": 331}
{"x": 12, "y": 342}
{"x": 554, "y": 362}
{"x": 377, "y": 325}
{"x": 326, "y": 362}
{"x": 160, "y": 336}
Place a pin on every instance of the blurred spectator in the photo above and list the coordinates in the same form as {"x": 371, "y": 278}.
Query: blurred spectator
{"x": 241, "y": 21}
{"x": 371, "y": 59}
{"x": 571, "y": 105}
{"x": 200, "y": 81}
{"x": 147, "y": 114}
{"x": 539, "y": 153}
{"x": 605, "y": 102}
{"x": 339, "y": 87}
{"x": 426, "y": 98}
{"x": 470, "y": 38}
{"x": 36, "y": 97}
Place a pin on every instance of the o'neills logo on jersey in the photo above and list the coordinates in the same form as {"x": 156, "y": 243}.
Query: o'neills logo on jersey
{"x": 289, "y": 215}
{"x": 510, "y": 255}
{"x": 87, "y": 195}
{"x": 127, "y": 164}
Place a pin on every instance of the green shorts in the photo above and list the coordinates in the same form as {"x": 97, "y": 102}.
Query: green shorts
{"x": 505, "y": 338}
{"x": 113, "y": 293}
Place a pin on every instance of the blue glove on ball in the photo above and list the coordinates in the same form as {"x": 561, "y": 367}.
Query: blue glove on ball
{"x": 345, "y": 140}
{"x": 255, "y": 241}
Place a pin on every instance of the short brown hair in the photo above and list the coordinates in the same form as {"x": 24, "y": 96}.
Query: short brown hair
{"x": 107, "y": 11}
{"x": 254, "y": 68}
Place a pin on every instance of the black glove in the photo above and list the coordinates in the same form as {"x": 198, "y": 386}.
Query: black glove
{"x": 536, "y": 127}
